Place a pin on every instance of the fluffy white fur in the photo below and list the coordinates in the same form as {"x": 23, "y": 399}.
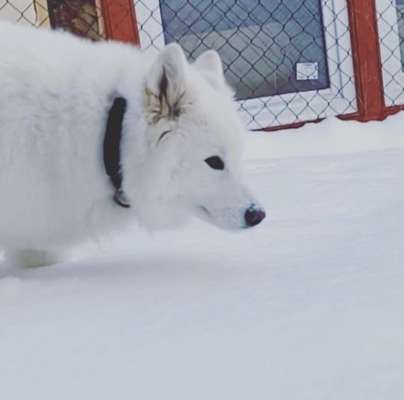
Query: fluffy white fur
{"x": 55, "y": 93}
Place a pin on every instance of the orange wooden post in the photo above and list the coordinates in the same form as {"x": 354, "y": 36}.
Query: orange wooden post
{"x": 120, "y": 20}
{"x": 366, "y": 60}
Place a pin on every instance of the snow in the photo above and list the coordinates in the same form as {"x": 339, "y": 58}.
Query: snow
{"x": 307, "y": 306}
{"x": 331, "y": 136}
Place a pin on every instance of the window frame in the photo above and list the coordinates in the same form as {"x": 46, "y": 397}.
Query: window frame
{"x": 284, "y": 109}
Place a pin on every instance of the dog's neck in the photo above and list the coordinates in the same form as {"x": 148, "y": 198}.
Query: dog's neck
{"x": 112, "y": 149}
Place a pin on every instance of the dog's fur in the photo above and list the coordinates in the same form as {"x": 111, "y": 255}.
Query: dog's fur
{"x": 55, "y": 93}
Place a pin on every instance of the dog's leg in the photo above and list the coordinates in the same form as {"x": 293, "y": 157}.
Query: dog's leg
{"x": 30, "y": 258}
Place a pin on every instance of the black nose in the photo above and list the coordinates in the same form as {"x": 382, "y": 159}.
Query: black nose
{"x": 253, "y": 216}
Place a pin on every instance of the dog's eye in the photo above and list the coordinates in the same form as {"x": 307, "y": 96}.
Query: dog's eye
{"x": 215, "y": 162}
{"x": 162, "y": 135}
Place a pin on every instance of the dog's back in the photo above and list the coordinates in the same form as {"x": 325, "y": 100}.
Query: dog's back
{"x": 55, "y": 90}
{"x": 181, "y": 140}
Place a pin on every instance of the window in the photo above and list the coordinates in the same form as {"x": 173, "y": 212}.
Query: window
{"x": 269, "y": 47}
{"x": 80, "y": 17}
{"x": 400, "y": 22}
{"x": 289, "y": 60}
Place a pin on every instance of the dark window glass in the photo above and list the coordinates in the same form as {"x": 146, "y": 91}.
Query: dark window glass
{"x": 269, "y": 47}
{"x": 400, "y": 21}
{"x": 81, "y": 17}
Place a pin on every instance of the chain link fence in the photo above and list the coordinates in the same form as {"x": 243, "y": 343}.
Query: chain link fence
{"x": 390, "y": 15}
{"x": 288, "y": 60}
{"x": 20, "y": 11}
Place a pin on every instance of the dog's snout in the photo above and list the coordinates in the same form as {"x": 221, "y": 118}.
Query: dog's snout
{"x": 253, "y": 216}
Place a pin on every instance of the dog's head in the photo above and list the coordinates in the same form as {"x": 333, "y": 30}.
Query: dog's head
{"x": 194, "y": 140}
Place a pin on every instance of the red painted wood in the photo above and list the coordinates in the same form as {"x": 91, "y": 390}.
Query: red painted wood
{"x": 120, "y": 20}
{"x": 366, "y": 59}
{"x": 294, "y": 125}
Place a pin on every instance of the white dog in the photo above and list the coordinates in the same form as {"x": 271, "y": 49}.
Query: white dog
{"x": 94, "y": 135}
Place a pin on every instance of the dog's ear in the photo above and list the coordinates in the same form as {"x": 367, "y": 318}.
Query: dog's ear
{"x": 210, "y": 65}
{"x": 210, "y": 61}
{"x": 166, "y": 82}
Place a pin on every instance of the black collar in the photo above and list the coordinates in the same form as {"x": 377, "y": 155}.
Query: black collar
{"x": 112, "y": 149}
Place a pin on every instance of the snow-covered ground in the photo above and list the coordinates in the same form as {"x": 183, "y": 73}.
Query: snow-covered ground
{"x": 307, "y": 306}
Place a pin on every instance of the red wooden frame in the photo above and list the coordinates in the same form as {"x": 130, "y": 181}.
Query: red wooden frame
{"x": 366, "y": 60}
{"x": 120, "y": 20}
{"x": 121, "y": 24}
{"x": 367, "y": 63}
